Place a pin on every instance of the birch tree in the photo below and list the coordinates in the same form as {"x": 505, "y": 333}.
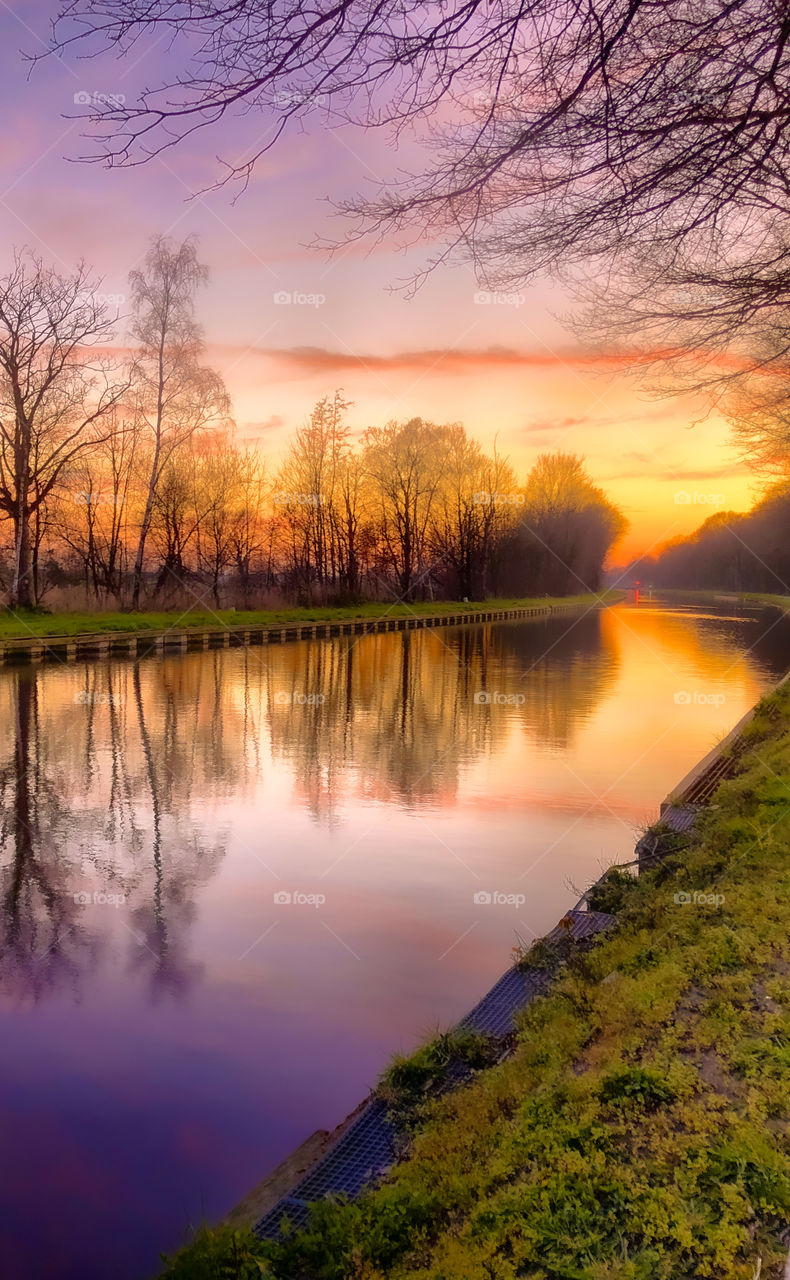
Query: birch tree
{"x": 177, "y": 396}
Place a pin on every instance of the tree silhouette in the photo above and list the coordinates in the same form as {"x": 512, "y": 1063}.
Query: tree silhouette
{"x": 649, "y": 139}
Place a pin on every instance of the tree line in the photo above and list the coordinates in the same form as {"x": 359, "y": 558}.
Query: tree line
{"x": 637, "y": 151}
{"x": 731, "y": 550}
{"x": 121, "y": 474}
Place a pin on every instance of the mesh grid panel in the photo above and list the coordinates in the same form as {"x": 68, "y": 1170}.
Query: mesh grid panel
{"x": 367, "y": 1148}
{"x": 679, "y": 818}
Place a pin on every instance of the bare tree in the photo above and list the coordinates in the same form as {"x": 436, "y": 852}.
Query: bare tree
{"x": 648, "y": 138}
{"x": 92, "y": 513}
{"x": 349, "y": 531}
{"x": 177, "y": 396}
{"x": 405, "y": 461}
{"x": 175, "y": 520}
{"x": 308, "y": 491}
{"x": 757, "y": 404}
{"x": 477, "y": 502}
{"x": 247, "y": 529}
{"x": 218, "y": 498}
{"x": 56, "y": 393}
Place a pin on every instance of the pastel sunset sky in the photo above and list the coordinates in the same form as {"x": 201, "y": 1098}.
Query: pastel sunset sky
{"x": 508, "y": 370}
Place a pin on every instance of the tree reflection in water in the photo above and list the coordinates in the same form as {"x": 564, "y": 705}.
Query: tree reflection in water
{"x": 111, "y": 765}
{"x": 97, "y": 800}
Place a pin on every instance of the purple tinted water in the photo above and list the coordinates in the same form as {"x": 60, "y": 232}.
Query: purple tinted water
{"x": 169, "y": 1030}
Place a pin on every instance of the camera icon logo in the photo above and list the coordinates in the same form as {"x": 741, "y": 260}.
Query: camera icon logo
{"x": 282, "y": 298}
{"x": 282, "y": 898}
{"x": 82, "y": 899}
{"x": 683, "y": 898}
{"x": 682, "y": 498}
{"x": 482, "y": 698}
{"x": 282, "y": 697}
{"x": 682, "y": 699}
{"x": 82, "y": 98}
{"x": 482, "y": 899}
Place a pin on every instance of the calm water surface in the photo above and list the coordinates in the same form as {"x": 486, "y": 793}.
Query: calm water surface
{"x": 169, "y": 1030}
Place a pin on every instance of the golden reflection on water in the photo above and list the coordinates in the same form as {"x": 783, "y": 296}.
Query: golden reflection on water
{"x": 152, "y": 811}
{"x": 129, "y": 778}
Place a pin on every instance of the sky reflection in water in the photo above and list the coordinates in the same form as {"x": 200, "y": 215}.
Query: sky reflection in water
{"x": 170, "y": 1032}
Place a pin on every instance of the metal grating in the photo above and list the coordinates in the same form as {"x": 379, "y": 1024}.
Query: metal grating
{"x": 495, "y": 1014}
{"x": 296, "y": 1211}
{"x": 364, "y": 1151}
{"x": 579, "y": 925}
{"x": 357, "y": 1157}
{"x": 679, "y": 818}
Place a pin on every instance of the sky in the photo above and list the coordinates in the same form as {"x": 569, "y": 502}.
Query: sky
{"x": 287, "y": 323}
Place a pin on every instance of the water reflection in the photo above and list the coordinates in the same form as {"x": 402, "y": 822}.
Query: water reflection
{"x": 40, "y": 947}
{"x": 170, "y": 1033}
{"x": 96, "y": 794}
{"x": 406, "y": 712}
{"x": 109, "y": 765}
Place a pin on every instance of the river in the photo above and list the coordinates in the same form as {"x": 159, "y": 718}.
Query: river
{"x": 234, "y": 882}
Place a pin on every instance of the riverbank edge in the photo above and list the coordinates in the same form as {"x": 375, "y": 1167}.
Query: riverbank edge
{"x": 278, "y": 1189}
{"x": 761, "y": 730}
{"x": 186, "y": 632}
{"x": 739, "y": 598}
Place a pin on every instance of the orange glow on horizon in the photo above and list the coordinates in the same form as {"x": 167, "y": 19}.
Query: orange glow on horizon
{"x": 660, "y": 460}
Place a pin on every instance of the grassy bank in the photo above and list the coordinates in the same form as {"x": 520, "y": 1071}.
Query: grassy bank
{"x": 778, "y": 602}
{"x": 641, "y": 1129}
{"x": 724, "y": 597}
{"x": 19, "y": 624}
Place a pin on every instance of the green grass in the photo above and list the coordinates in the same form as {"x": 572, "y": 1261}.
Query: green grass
{"x": 781, "y": 602}
{"x": 641, "y": 1130}
{"x": 721, "y": 595}
{"x": 16, "y": 625}
{"x": 410, "y": 1082}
